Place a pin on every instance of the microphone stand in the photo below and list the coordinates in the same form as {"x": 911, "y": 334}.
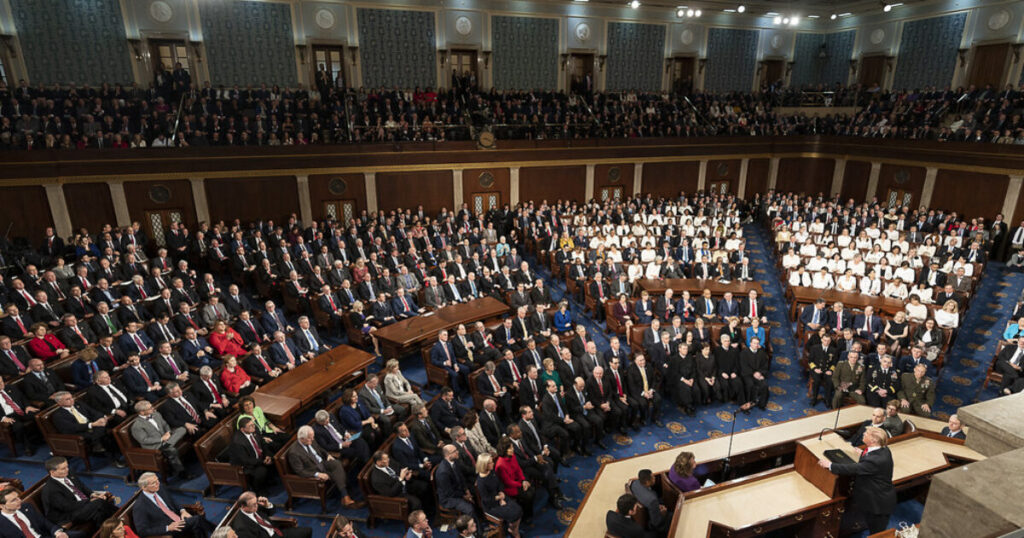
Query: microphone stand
{"x": 726, "y": 463}
{"x": 834, "y": 426}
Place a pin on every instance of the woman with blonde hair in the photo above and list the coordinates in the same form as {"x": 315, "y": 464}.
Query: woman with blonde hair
{"x": 397, "y": 387}
{"x": 492, "y": 495}
{"x": 949, "y": 316}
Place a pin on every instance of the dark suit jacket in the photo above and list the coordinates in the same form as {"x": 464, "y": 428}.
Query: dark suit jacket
{"x": 449, "y": 482}
{"x": 35, "y": 520}
{"x": 384, "y": 484}
{"x": 36, "y": 391}
{"x": 302, "y": 463}
{"x": 406, "y": 457}
{"x": 65, "y": 422}
{"x": 59, "y": 503}
{"x": 624, "y": 527}
{"x": 245, "y": 527}
{"x": 873, "y": 492}
{"x": 958, "y": 435}
{"x": 148, "y": 519}
{"x": 164, "y": 370}
{"x": 241, "y": 453}
{"x": 426, "y": 442}
{"x": 134, "y": 382}
{"x": 11, "y": 329}
{"x": 7, "y": 366}
{"x": 99, "y": 398}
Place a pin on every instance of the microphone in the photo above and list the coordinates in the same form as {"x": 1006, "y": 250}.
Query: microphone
{"x": 726, "y": 466}
{"x": 834, "y": 426}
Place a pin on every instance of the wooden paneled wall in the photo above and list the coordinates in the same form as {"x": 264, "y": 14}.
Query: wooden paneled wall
{"x": 89, "y": 206}
{"x": 553, "y": 183}
{"x": 263, "y": 198}
{"x": 959, "y": 191}
{"x": 352, "y": 187}
{"x": 855, "y": 181}
{"x": 137, "y": 193}
{"x": 667, "y": 179}
{"x": 757, "y": 177}
{"x": 432, "y": 189}
{"x": 605, "y": 175}
{"x": 901, "y": 179}
{"x": 473, "y": 181}
{"x": 26, "y": 212}
{"x": 805, "y": 174}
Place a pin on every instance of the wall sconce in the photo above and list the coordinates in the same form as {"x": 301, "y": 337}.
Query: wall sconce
{"x": 962, "y": 54}
{"x": 8, "y": 42}
{"x": 136, "y": 45}
{"x": 197, "y": 50}
{"x": 487, "y": 58}
{"x": 444, "y": 56}
{"x": 302, "y": 53}
{"x": 354, "y": 51}
{"x": 701, "y": 63}
{"x": 601, "y": 60}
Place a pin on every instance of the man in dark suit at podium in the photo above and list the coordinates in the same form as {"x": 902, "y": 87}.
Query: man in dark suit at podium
{"x": 873, "y": 494}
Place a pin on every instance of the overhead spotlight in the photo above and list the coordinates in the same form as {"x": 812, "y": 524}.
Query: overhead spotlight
{"x": 785, "y": 20}
{"x": 777, "y": 20}
{"x": 741, "y": 8}
{"x": 697, "y": 13}
{"x": 794, "y": 21}
{"x": 689, "y": 12}
{"x": 680, "y": 13}
{"x": 634, "y": 4}
{"x": 833, "y": 16}
{"x": 887, "y": 8}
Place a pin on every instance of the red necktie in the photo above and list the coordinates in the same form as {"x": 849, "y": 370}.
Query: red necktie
{"x": 753, "y": 309}
{"x": 256, "y": 447}
{"x": 142, "y": 292}
{"x": 28, "y": 298}
{"x": 189, "y": 318}
{"x": 21, "y": 325}
{"x": 191, "y": 410}
{"x": 24, "y": 526}
{"x": 110, "y": 353}
{"x": 138, "y": 342}
{"x": 266, "y": 524}
{"x": 11, "y": 403}
{"x": 600, "y": 388}
{"x": 167, "y": 511}
{"x": 80, "y": 335}
{"x": 14, "y": 358}
{"x": 515, "y": 371}
{"x": 863, "y": 452}
{"x": 145, "y": 377}
{"x": 264, "y": 363}
{"x": 405, "y": 305}
{"x": 213, "y": 389}
{"x": 331, "y": 300}
{"x": 618, "y": 384}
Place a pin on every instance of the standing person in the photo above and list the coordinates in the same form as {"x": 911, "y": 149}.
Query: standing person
{"x": 873, "y": 494}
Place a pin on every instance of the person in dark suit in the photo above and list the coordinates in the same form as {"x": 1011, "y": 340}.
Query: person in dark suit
{"x": 254, "y": 520}
{"x": 16, "y": 324}
{"x": 446, "y": 413}
{"x": 76, "y": 336}
{"x": 452, "y": 490}
{"x": 428, "y": 436}
{"x": 79, "y": 419}
{"x": 104, "y": 323}
{"x": 183, "y": 410}
{"x": 20, "y": 416}
{"x": 814, "y": 316}
{"x": 407, "y": 454}
{"x": 442, "y": 354}
{"x": 109, "y": 397}
{"x": 13, "y": 359}
{"x": 150, "y": 513}
{"x": 644, "y": 388}
{"x": 308, "y": 340}
{"x": 248, "y": 451}
{"x": 954, "y": 428}
{"x": 491, "y": 424}
{"x": 754, "y": 366}
{"x": 873, "y": 494}
{"x": 557, "y": 423}
{"x": 66, "y": 499}
{"x": 868, "y": 325}
{"x": 308, "y": 460}
{"x": 12, "y": 507}
{"x": 332, "y": 437}
{"x": 39, "y": 383}
{"x": 385, "y": 480}
{"x": 621, "y": 523}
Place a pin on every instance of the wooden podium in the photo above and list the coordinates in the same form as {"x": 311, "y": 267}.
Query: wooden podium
{"x": 809, "y": 451}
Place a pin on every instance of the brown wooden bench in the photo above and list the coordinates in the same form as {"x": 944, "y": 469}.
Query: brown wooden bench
{"x": 62, "y": 444}
{"x": 297, "y": 486}
{"x": 211, "y": 450}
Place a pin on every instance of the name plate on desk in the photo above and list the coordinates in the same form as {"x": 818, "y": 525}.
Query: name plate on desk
{"x": 838, "y": 456}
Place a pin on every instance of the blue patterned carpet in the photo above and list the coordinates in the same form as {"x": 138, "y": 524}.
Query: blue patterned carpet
{"x": 960, "y": 384}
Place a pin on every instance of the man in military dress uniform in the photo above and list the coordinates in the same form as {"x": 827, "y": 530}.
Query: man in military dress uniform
{"x": 918, "y": 392}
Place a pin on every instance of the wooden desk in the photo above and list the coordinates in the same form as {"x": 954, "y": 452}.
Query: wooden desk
{"x": 607, "y": 485}
{"x": 296, "y": 389}
{"x": 279, "y": 409}
{"x": 408, "y": 335}
{"x": 802, "y": 296}
{"x": 809, "y": 451}
{"x": 696, "y": 286}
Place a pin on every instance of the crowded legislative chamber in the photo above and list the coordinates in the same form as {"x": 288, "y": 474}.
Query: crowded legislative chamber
{"x": 533, "y": 268}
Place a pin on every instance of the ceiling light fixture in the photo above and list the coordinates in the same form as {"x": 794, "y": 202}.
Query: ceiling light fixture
{"x": 680, "y": 13}
{"x": 777, "y": 20}
{"x": 886, "y": 8}
{"x": 741, "y": 8}
{"x": 634, "y": 4}
{"x": 833, "y": 16}
{"x": 697, "y": 13}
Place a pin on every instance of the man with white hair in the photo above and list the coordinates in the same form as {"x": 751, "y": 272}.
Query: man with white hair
{"x": 156, "y": 513}
{"x": 308, "y": 460}
{"x": 152, "y": 432}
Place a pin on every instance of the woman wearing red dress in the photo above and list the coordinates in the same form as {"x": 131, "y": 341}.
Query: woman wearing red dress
{"x": 226, "y": 341}
{"x": 115, "y": 528}
{"x": 234, "y": 378}
{"x": 511, "y": 475}
{"x": 46, "y": 346}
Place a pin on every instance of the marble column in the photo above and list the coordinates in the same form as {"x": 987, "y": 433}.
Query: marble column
{"x": 589, "y": 194}
{"x": 513, "y": 186}
{"x": 120, "y": 201}
{"x": 58, "y": 209}
{"x": 371, "y": 191}
{"x": 741, "y": 189}
{"x": 198, "y": 185}
{"x": 638, "y": 177}
{"x": 305, "y": 205}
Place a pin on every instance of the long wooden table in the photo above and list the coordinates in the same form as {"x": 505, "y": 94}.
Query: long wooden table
{"x": 696, "y": 286}
{"x": 778, "y": 499}
{"x": 292, "y": 391}
{"x": 802, "y": 296}
{"x": 607, "y": 485}
{"x": 408, "y": 335}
